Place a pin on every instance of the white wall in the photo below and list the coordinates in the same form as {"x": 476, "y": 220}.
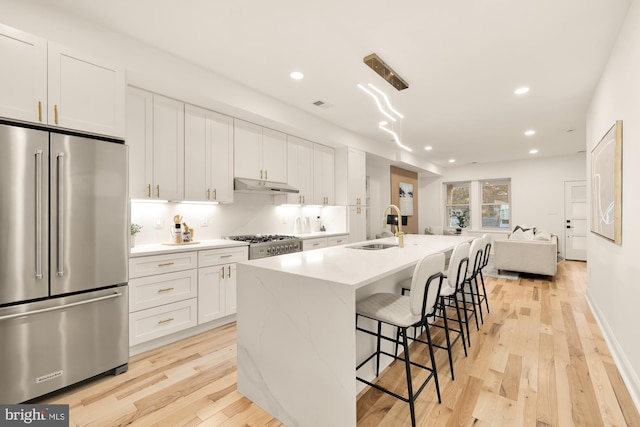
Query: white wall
{"x": 614, "y": 270}
{"x": 537, "y": 190}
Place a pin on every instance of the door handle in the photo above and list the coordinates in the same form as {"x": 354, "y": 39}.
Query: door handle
{"x": 568, "y": 226}
{"x": 39, "y": 214}
{"x": 222, "y": 271}
{"x": 73, "y": 304}
{"x": 60, "y": 201}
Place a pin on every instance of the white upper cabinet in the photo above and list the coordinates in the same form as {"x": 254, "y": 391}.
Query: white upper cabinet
{"x": 85, "y": 93}
{"x": 49, "y": 84}
{"x": 23, "y": 76}
{"x": 168, "y": 149}
{"x": 259, "y": 153}
{"x": 140, "y": 141}
{"x": 208, "y": 155}
{"x": 351, "y": 169}
{"x": 299, "y": 170}
{"x": 274, "y": 155}
{"x": 323, "y": 175}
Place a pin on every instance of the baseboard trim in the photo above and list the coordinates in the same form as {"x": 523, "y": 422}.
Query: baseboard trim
{"x": 628, "y": 374}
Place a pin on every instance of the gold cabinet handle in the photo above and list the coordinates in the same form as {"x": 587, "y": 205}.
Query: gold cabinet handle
{"x": 40, "y": 110}
{"x": 208, "y": 194}
{"x": 229, "y": 272}
{"x": 165, "y": 320}
{"x": 303, "y": 201}
{"x": 164, "y": 264}
{"x": 149, "y": 190}
{"x": 215, "y": 194}
{"x": 158, "y": 191}
{"x": 265, "y": 174}
{"x": 300, "y": 199}
{"x": 165, "y": 290}
{"x": 260, "y": 173}
{"x": 222, "y": 272}
{"x": 226, "y": 256}
{"x": 55, "y": 114}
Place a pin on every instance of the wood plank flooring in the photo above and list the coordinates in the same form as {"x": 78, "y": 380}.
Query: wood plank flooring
{"x": 538, "y": 360}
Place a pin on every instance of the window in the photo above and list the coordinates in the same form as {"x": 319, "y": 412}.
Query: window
{"x": 457, "y": 207}
{"x": 496, "y": 195}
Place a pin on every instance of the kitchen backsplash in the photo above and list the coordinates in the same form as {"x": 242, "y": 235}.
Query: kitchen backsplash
{"x": 249, "y": 214}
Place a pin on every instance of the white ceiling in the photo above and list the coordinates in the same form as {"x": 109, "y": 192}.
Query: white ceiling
{"x": 462, "y": 59}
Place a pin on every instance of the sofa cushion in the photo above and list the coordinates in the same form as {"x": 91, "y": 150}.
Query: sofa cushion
{"x": 524, "y": 228}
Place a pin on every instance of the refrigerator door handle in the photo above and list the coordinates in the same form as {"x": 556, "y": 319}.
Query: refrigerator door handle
{"x": 60, "y": 203}
{"x": 38, "y": 214}
{"x": 73, "y": 304}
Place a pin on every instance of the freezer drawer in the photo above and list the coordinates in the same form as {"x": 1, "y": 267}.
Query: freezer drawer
{"x": 55, "y": 343}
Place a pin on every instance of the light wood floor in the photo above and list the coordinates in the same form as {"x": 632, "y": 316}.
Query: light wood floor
{"x": 538, "y": 360}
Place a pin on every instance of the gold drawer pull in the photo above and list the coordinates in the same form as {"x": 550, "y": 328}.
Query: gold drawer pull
{"x": 160, "y": 322}
{"x": 165, "y": 289}
{"x": 164, "y": 264}
{"x": 40, "y": 111}
{"x": 55, "y": 113}
{"x": 226, "y": 256}
{"x": 149, "y": 190}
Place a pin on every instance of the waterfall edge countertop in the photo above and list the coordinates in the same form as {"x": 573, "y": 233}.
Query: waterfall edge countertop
{"x": 359, "y": 267}
{"x": 297, "y": 344}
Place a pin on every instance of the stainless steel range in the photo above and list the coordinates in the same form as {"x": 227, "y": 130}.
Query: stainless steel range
{"x": 265, "y": 245}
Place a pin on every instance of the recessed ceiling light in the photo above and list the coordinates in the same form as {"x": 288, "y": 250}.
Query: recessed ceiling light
{"x": 530, "y": 132}
{"x": 521, "y": 90}
{"x": 296, "y": 75}
{"x": 428, "y": 148}
{"x": 383, "y": 123}
{"x": 452, "y": 160}
{"x": 534, "y": 151}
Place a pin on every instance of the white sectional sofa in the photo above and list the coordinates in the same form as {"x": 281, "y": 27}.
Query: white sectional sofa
{"x": 527, "y": 256}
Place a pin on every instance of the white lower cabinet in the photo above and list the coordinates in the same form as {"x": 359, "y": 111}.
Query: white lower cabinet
{"x": 217, "y": 282}
{"x": 163, "y": 291}
{"x": 311, "y": 244}
{"x": 342, "y": 239}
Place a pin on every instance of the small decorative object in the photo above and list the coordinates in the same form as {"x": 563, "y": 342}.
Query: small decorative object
{"x": 135, "y": 229}
{"x": 462, "y": 217}
{"x": 406, "y": 199}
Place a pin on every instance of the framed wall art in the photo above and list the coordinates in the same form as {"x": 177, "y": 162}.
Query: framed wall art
{"x": 606, "y": 185}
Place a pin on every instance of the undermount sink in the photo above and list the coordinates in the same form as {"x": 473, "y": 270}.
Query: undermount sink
{"x": 374, "y": 246}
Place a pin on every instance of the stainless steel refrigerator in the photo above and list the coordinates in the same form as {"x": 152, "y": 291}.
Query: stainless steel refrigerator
{"x": 63, "y": 260}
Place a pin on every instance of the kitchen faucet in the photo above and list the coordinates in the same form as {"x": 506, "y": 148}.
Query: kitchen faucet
{"x": 399, "y": 232}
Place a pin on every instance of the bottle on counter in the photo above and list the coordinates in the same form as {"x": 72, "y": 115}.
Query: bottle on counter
{"x": 186, "y": 234}
{"x": 318, "y": 224}
{"x": 178, "y": 233}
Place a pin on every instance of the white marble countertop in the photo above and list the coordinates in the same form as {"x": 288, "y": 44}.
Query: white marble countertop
{"x": 357, "y": 267}
{"x": 158, "y": 248}
{"x": 317, "y": 234}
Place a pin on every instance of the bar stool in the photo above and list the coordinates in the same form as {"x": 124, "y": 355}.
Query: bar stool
{"x": 404, "y": 312}
{"x": 475, "y": 261}
{"x": 485, "y": 261}
{"x": 453, "y": 283}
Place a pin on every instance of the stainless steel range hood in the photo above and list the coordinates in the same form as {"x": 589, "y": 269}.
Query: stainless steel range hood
{"x": 245, "y": 185}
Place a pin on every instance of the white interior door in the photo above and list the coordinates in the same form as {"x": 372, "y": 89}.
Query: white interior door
{"x": 575, "y": 215}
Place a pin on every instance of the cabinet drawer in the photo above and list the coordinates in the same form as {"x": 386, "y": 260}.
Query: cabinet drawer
{"x": 152, "y": 291}
{"x": 222, "y": 256}
{"x": 310, "y": 244}
{"x": 338, "y": 240}
{"x": 157, "y": 322}
{"x": 158, "y": 264}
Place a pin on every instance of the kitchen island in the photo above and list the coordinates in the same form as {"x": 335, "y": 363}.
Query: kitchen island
{"x": 297, "y": 343}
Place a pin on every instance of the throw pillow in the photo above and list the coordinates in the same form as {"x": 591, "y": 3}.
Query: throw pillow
{"x": 520, "y": 234}
{"x": 543, "y": 235}
{"x": 524, "y": 228}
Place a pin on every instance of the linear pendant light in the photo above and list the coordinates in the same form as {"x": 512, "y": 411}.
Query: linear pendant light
{"x": 386, "y": 100}
{"x": 395, "y": 136}
{"x": 375, "y": 98}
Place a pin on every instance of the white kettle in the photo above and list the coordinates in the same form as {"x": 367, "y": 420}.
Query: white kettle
{"x": 306, "y": 225}
{"x": 297, "y": 226}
